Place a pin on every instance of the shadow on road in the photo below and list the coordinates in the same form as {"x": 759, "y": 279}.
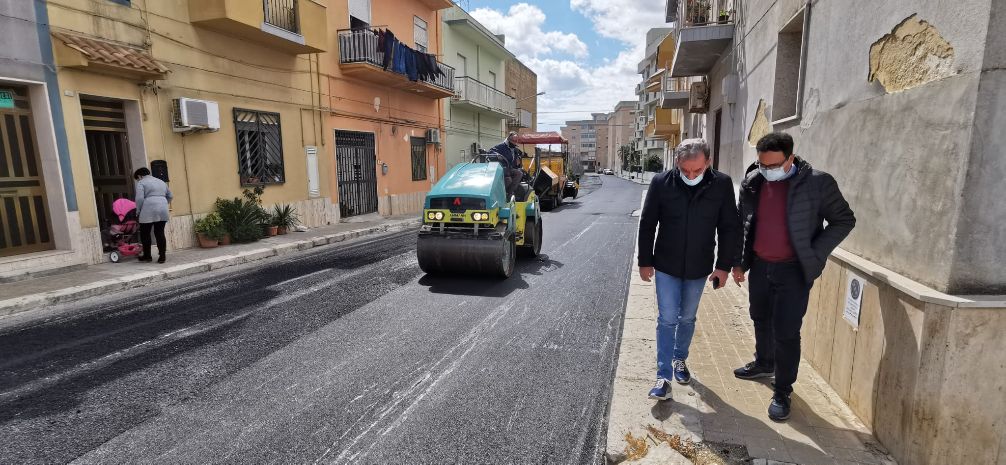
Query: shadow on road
{"x": 488, "y": 286}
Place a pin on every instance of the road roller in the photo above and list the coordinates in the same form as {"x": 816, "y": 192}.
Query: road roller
{"x": 470, "y": 226}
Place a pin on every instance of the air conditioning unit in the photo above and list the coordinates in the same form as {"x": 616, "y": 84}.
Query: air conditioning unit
{"x": 698, "y": 97}
{"x": 433, "y": 136}
{"x": 191, "y": 115}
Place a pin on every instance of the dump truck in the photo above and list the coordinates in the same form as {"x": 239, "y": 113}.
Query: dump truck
{"x": 553, "y": 162}
{"x": 471, "y": 227}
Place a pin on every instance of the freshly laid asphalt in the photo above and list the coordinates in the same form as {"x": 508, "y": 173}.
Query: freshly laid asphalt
{"x": 341, "y": 354}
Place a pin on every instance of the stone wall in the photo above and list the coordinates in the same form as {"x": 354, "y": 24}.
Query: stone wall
{"x": 924, "y": 370}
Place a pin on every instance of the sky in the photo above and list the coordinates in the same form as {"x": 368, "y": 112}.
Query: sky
{"x": 585, "y": 52}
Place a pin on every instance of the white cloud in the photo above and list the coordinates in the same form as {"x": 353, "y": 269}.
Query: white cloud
{"x": 522, "y": 26}
{"x": 573, "y": 88}
{"x": 624, "y": 20}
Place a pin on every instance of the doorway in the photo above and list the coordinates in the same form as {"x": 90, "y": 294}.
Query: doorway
{"x": 25, "y": 225}
{"x": 356, "y": 164}
{"x": 108, "y": 152}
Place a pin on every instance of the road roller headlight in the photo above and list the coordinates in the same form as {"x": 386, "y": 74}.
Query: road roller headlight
{"x": 431, "y": 216}
{"x": 438, "y": 216}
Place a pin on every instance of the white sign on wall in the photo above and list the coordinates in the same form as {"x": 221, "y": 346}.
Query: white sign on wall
{"x": 853, "y": 299}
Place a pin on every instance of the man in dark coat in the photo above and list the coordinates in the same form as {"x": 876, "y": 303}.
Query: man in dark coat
{"x": 784, "y": 205}
{"x": 510, "y": 159}
{"x": 691, "y": 204}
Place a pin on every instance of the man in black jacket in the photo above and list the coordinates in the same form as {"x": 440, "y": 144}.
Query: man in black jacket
{"x": 784, "y": 205}
{"x": 692, "y": 204}
{"x": 512, "y": 172}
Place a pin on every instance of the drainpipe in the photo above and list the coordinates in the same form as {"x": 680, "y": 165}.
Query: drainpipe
{"x": 55, "y": 104}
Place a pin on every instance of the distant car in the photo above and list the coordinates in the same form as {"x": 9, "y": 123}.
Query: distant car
{"x": 608, "y": 171}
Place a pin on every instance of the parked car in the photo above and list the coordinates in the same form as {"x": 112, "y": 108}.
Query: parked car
{"x": 608, "y": 171}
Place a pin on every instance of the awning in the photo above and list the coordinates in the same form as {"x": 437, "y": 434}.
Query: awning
{"x": 77, "y": 51}
{"x": 537, "y": 138}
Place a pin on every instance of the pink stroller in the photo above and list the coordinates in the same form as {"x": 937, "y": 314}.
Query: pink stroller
{"x": 124, "y": 236}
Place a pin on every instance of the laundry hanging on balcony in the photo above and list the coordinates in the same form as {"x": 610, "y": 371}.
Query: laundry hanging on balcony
{"x": 402, "y": 59}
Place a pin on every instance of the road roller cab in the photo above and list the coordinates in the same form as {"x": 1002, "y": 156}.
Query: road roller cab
{"x": 470, "y": 226}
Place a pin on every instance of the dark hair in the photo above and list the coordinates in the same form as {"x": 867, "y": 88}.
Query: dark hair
{"x": 141, "y": 172}
{"x": 776, "y": 142}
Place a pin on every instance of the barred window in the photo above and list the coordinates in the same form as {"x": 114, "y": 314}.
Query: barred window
{"x": 418, "y": 159}
{"x": 260, "y": 147}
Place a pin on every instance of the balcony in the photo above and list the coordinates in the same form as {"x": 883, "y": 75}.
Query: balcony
{"x": 293, "y": 26}
{"x": 359, "y": 57}
{"x": 674, "y": 93}
{"x": 523, "y": 119}
{"x": 702, "y": 37}
{"x": 665, "y": 125}
{"x": 471, "y": 93}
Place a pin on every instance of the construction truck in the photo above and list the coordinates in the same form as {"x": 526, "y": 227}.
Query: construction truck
{"x": 554, "y": 161}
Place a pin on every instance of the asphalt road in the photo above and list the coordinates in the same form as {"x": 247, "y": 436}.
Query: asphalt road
{"x": 345, "y": 354}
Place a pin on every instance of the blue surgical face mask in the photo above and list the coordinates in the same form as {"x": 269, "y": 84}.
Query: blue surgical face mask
{"x": 691, "y": 182}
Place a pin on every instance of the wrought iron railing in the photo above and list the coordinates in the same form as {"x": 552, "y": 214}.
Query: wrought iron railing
{"x": 483, "y": 95}
{"x": 692, "y": 13}
{"x": 361, "y": 46}
{"x": 282, "y": 14}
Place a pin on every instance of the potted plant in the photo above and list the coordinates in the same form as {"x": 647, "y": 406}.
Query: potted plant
{"x": 241, "y": 218}
{"x": 724, "y": 17}
{"x": 209, "y": 230}
{"x": 284, "y": 217}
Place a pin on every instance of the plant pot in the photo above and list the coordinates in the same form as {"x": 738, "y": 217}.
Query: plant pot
{"x": 226, "y": 240}
{"x": 272, "y": 230}
{"x": 206, "y": 242}
{"x": 724, "y": 19}
{"x": 281, "y": 230}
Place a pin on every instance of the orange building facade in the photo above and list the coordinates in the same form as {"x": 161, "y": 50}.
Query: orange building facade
{"x": 383, "y": 130}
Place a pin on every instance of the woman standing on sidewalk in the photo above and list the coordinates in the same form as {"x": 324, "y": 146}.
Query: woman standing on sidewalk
{"x": 152, "y": 200}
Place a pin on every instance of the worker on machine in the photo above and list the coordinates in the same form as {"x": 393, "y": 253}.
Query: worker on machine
{"x": 509, "y": 157}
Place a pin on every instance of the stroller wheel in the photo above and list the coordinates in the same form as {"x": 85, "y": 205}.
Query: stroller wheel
{"x": 114, "y": 256}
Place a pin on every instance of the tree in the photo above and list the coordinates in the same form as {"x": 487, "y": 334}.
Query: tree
{"x": 654, "y": 163}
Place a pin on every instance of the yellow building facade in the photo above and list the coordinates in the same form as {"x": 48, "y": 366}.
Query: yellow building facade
{"x": 247, "y": 75}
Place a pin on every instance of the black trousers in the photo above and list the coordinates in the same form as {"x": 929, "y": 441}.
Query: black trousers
{"x": 158, "y": 228}
{"x": 778, "y": 294}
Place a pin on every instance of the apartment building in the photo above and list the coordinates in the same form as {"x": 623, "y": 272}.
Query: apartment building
{"x": 901, "y": 102}
{"x": 479, "y": 113}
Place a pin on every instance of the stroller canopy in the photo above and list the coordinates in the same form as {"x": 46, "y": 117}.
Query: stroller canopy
{"x": 122, "y": 207}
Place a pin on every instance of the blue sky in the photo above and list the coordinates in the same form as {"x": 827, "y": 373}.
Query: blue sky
{"x": 584, "y": 52}
{"x": 561, "y": 17}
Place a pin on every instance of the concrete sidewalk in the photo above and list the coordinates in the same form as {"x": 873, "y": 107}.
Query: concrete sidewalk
{"x": 95, "y": 280}
{"x": 718, "y": 410}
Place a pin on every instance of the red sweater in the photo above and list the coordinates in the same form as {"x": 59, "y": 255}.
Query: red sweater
{"x": 772, "y": 243}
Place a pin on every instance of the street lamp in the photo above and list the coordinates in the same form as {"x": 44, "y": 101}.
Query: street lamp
{"x": 533, "y": 96}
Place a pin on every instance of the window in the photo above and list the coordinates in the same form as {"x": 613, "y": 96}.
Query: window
{"x": 260, "y": 147}
{"x": 492, "y": 79}
{"x": 462, "y": 65}
{"x": 121, "y": 2}
{"x": 420, "y": 35}
{"x": 359, "y": 13}
{"x": 790, "y": 61}
{"x": 418, "y": 158}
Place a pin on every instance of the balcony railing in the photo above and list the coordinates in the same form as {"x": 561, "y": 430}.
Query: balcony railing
{"x": 467, "y": 89}
{"x": 282, "y": 14}
{"x": 693, "y": 13}
{"x": 360, "y": 46}
{"x": 523, "y": 119}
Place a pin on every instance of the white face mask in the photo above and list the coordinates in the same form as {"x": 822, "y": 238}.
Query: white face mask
{"x": 691, "y": 182}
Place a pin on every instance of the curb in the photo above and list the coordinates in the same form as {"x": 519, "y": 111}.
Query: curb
{"x": 71, "y": 294}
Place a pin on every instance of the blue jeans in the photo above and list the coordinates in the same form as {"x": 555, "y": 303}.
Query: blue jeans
{"x": 677, "y": 303}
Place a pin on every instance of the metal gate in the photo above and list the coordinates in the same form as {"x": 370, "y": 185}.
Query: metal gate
{"x": 356, "y": 163}
{"x": 24, "y": 217}
{"x": 108, "y": 150}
